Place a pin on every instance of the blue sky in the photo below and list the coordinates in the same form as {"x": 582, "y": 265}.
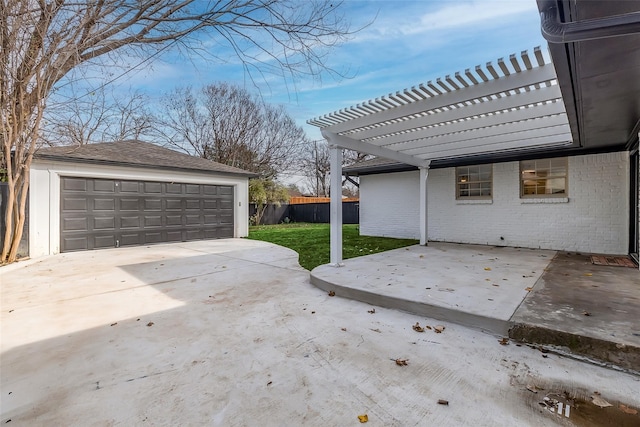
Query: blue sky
{"x": 408, "y": 42}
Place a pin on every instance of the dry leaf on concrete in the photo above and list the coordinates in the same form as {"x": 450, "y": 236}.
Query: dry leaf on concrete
{"x": 600, "y": 402}
{"x": 443, "y": 402}
{"x": 628, "y": 410}
{"x": 504, "y": 341}
{"x": 418, "y": 328}
{"x": 402, "y": 362}
{"x": 528, "y": 289}
{"x": 487, "y": 269}
{"x": 372, "y": 311}
{"x": 363, "y": 418}
{"x": 332, "y": 294}
{"x": 438, "y": 329}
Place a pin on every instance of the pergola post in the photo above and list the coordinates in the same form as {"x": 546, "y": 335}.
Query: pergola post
{"x": 424, "y": 228}
{"x": 336, "y": 205}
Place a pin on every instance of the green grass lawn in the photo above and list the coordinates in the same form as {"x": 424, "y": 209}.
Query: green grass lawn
{"x": 311, "y": 241}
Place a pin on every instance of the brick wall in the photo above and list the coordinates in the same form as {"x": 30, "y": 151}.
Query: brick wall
{"x": 593, "y": 218}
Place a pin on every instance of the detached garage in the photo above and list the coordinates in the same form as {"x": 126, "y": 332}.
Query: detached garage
{"x": 131, "y": 193}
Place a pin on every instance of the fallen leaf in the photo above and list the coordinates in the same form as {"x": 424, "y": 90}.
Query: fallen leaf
{"x": 528, "y": 289}
{"x": 493, "y": 284}
{"x": 150, "y": 324}
{"x": 402, "y": 362}
{"x": 421, "y": 256}
{"x": 487, "y": 269}
{"x": 363, "y": 418}
{"x": 373, "y": 310}
{"x": 586, "y": 313}
{"x": 533, "y": 388}
{"x": 418, "y": 328}
{"x": 343, "y": 329}
{"x": 332, "y": 294}
{"x": 443, "y": 402}
{"x": 628, "y": 410}
{"x": 313, "y": 312}
{"x": 438, "y": 329}
{"x": 487, "y": 280}
{"x": 504, "y": 341}
{"x": 428, "y": 327}
{"x": 600, "y": 402}
{"x": 588, "y": 274}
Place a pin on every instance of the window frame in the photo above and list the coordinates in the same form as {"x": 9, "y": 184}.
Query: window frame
{"x": 458, "y": 182}
{"x": 551, "y": 176}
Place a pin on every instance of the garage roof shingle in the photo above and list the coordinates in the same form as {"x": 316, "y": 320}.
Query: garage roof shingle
{"x": 135, "y": 153}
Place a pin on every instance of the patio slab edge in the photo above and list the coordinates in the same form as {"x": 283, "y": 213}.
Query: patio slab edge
{"x": 599, "y": 351}
{"x": 475, "y": 321}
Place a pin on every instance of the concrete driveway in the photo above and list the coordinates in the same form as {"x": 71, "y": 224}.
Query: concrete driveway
{"x": 231, "y": 333}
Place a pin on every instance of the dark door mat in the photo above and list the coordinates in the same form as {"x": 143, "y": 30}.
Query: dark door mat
{"x": 614, "y": 261}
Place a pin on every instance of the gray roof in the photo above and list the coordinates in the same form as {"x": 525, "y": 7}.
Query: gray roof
{"x": 374, "y": 165}
{"x": 136, "y": 154}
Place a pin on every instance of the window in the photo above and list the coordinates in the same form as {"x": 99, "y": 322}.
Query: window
{"x": 543, "y": 178}
{"x": 474, "y": 182}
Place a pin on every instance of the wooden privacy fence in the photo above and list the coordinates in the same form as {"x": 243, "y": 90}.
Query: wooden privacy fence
{"x": 302, "y": 200}
{"x": 307, "y": 212}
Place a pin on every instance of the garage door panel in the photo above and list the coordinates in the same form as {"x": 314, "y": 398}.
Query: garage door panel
{"x": 74, "y": 204}
{"x": 153, "y": 205}
{"x": 74, "y": 184}
{"x": 192, "y": 204}
{"x": 152, "y": 187}
{"x": 173, "y": 188}
{"x": 193, "y": 219}
{"x": 108, "y": 241}
{"x": 174, "y": 236}
{"x": 101, "y": 213}
{"x": 225, "y": 191}
{"x": 130, "y": 222}
{"x": 152, "y": 221}
{"x": 174, "y": 204}
{"x": 130, "y": 205}
{"x": 174, "y": 220}
{"x": 192, "y": 189}
{"x": 75, "y": 243}
{"x": 129, "y": 187}
{"x": 104, "y": 223}
{"x": 75, "y": 224}
{"x": 104, "y": 186}
{"x": 104, "y": 204}
{"x": 154, "y": 237}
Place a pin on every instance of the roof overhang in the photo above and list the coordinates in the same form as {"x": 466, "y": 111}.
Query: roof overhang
{"x": 595, "y": 46}
{"x": 512, "y": 107}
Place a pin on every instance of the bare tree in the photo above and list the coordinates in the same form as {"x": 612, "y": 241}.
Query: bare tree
{"x": 227, "y": 124}
{"x": 96, "y": 118}
{"x": 42, "y": 41}
{"x": 315, "y": 165}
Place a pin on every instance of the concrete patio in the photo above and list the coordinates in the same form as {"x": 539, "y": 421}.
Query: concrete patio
{"x": 231, "y": 333}
{"x": 536, "y": 296}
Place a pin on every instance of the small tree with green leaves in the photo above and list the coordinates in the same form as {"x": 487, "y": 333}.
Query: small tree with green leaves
{"x": 264, "y": 192}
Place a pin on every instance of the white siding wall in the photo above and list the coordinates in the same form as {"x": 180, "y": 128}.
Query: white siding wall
{"x": 44, "y": 196}
{"x": 594, "y": 217}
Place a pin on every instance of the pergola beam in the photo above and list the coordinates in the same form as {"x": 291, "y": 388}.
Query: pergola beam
{"x": 363, "y": 147}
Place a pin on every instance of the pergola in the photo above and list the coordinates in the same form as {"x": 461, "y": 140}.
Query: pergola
{"x": 512, "y": 107}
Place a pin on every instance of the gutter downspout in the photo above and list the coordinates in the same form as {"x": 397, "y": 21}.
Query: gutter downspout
{"x": 556, "y": 31}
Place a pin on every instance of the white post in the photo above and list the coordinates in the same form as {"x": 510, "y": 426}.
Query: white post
{"x": 424, "y": 229}
{"x": 336, "y": 205}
